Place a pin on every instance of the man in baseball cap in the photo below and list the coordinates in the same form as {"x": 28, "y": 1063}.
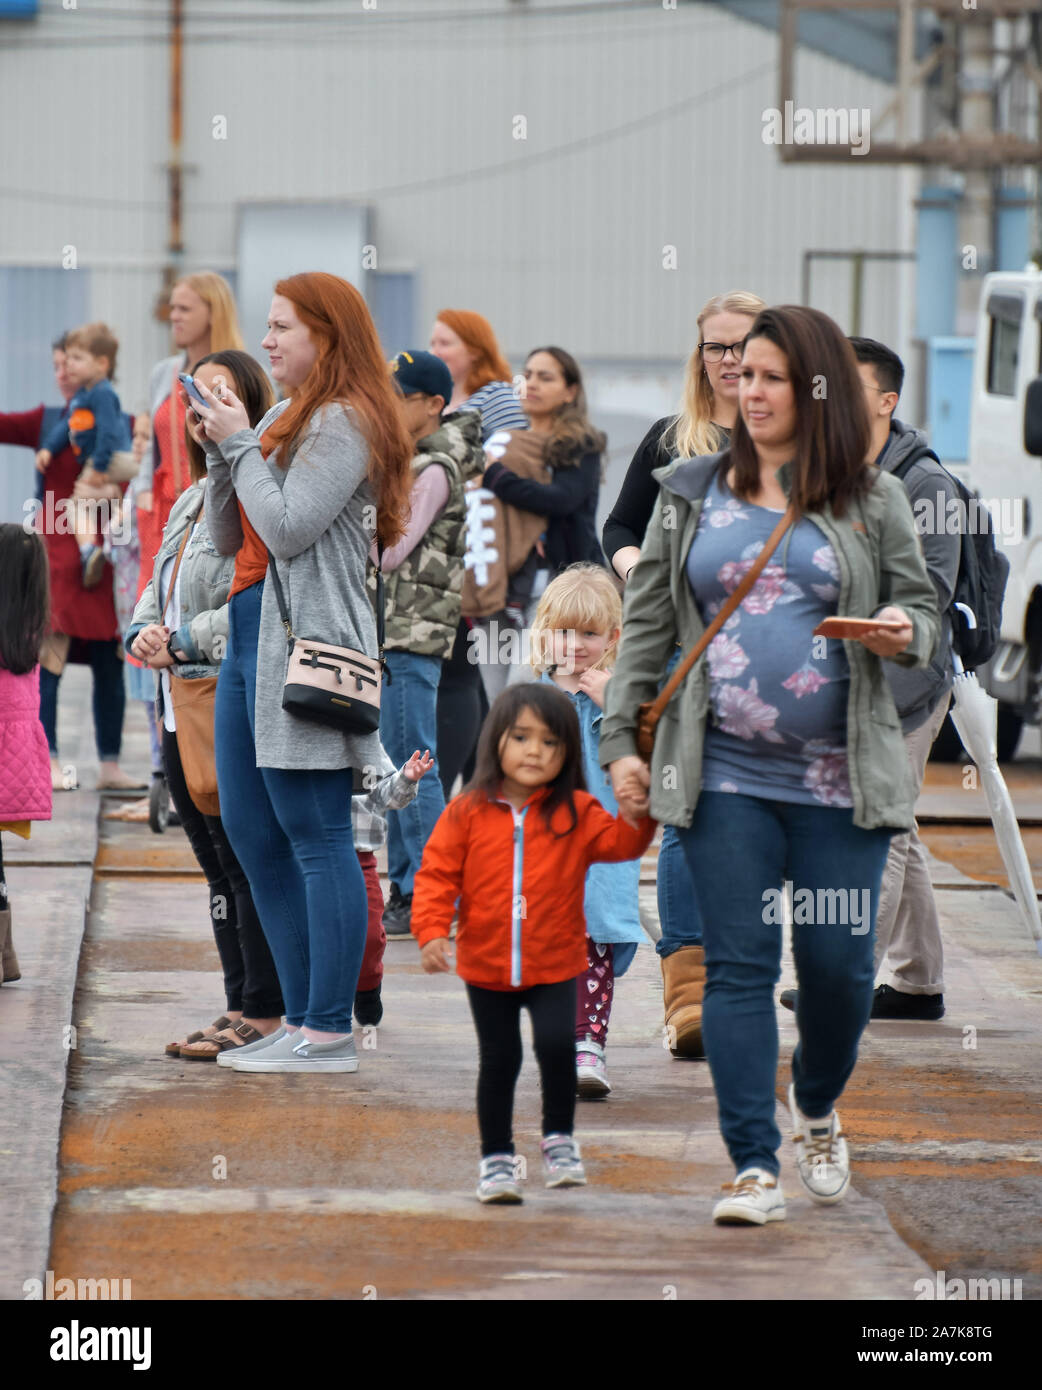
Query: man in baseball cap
{"x": 423, "y": 579}
{"x": 421, "y": 374}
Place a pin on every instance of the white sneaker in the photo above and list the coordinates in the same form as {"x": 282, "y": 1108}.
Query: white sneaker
{"x": 821, "y": 1154}
{"x": 591, "y": 1074}
{"x": 562, "y": 1161}
{"x": 497, "y": 1179}
{"x": 225, "y": 1059}
{"x": 754, "y": 1198}
{"x": 294, "y": 1053}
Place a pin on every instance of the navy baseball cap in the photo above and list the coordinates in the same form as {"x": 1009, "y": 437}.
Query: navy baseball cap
{"x": 421, "y": 371}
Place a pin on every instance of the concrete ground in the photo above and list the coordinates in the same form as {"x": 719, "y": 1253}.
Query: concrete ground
{"x": 362, "y": 1186}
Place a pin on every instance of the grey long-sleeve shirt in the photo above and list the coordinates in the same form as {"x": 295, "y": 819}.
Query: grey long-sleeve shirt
{"x": 317, "y": 517}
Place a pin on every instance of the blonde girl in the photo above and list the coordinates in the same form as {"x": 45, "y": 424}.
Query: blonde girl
{"x": 574, "y": 639}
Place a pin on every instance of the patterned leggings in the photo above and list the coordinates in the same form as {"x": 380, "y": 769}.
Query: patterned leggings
{"x": 593, "y": 993}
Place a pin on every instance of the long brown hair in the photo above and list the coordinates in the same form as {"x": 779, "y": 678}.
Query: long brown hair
{"x": 349, "y": 369}
{"x": 250, "y": 385}
{"x": 25, "y": 587}
{"x": 572, "y": 434}
{"x": 475, "y": 332}
{"x": 832, "y": 430}
{"x": 558, "y": 713}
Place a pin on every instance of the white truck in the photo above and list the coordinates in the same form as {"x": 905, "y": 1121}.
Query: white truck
{"x": 1005, "y": 471}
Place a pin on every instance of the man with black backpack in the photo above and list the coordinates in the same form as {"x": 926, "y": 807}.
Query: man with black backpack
{"x": 908, "y": 930}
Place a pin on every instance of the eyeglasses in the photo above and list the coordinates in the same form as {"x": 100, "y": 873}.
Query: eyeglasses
{"x": 716, "y": 352}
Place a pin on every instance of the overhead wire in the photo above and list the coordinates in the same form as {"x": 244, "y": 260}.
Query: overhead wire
{"x": 457, "y": 177}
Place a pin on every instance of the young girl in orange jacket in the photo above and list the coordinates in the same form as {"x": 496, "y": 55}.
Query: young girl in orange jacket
{"x": 514, "y": 848}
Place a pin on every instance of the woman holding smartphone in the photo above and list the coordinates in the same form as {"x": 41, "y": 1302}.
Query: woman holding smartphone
{"x": 323, "y": 471}
{"x": 801, "y": 773}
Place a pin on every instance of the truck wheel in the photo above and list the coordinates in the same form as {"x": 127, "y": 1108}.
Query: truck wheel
{"x": 947, "y": 746}
{"x": 1008, "y": 733}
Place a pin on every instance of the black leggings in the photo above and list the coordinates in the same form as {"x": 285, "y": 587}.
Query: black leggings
{"x": 251, "y": 982}
{"x": 497, "y": 1018}
{"x": 461, "y": 709}
{"x": 3, "y": 881}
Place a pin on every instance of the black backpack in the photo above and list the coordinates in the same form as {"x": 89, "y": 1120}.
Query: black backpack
{"x": 981, "y": 581}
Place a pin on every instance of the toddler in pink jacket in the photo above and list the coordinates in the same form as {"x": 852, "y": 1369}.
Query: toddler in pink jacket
{"x": 25, "y": 768}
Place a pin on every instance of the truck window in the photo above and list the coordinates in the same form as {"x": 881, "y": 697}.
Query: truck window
{"x": 1002, "y": 358}
{"x": 1004, "y": 312}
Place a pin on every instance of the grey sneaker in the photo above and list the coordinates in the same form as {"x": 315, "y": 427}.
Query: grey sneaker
{"x": 294, "y": 1053}
{"x": 562, "y": 1161}
{"x": 591, "y": 1075}
{"x": 224, "y": 1059}
{"x": 497, "y": 1180}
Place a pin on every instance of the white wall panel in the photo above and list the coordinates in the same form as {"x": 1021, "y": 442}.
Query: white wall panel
{"x": 643, "y": 129}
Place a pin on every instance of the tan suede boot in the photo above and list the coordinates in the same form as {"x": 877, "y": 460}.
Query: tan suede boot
{"x": 8, "y": 960}
{"x": 683, "y": 980}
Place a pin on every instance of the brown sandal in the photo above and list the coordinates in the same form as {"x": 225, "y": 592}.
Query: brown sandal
{"x": 174, "y": 1049}
{"x": 245, "y": 1032}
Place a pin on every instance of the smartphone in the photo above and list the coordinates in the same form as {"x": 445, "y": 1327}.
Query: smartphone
{"x": 853, "y": 628}
{"x": 193, "y": 391}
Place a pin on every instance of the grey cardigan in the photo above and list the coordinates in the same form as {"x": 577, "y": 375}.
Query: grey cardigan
{"x": 317, "y": 516}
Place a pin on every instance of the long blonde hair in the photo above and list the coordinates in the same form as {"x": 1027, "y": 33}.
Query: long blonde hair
{"x": 215, "y": 293}
{"x": 581, "y": 596}
{"x": 693, "y": 431}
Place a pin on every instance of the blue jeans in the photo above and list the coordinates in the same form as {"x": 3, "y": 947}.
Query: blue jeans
{"x": 677, "y": 906}
{"x": 745, "y": 848}
{"x": 291, "y": 832}
{"x": 409, "y": 720}
{"x": 109, "y": 701}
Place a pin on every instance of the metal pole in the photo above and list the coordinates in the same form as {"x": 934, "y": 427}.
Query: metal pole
{"x": 175, "y": 165}
{"x": 977, "y": 214}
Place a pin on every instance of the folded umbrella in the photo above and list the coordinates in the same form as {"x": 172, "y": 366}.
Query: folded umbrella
{"x": 974, "y": 714}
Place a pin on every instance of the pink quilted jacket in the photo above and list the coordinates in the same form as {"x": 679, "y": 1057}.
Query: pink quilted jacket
{"x": 25, "y": 765}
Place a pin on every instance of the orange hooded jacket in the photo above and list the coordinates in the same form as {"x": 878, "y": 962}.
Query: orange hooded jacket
{"x": 520, "y": 885}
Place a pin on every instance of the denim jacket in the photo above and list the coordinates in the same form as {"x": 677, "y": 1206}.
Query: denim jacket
{"x": 610, "y": 901}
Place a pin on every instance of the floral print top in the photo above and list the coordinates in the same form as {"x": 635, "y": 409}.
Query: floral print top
{"x": 778, "y": 695}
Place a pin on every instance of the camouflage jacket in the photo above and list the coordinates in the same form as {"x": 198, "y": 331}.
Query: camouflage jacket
{"x": 422, "y": 596}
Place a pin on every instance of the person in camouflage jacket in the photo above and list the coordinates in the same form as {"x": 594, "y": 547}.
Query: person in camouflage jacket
{"x": 423, "y": 582}
{"x": 422, "y": 594}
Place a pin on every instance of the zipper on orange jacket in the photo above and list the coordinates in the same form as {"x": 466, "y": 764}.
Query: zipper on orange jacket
{"x": 517, "y": 902}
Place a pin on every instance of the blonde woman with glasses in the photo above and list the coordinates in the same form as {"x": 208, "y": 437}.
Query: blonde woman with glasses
{"x": 703, "y": 426}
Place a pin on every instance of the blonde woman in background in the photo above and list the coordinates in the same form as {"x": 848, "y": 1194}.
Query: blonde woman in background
{"x": 203, "y": 320}
{"x": 703, "y": 426}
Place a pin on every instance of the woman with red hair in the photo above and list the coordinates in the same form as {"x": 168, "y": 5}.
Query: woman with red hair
{"x": 480, "y": 373}
{"x": 325, "y": 469}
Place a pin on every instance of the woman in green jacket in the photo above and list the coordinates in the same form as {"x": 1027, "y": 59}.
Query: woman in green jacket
{"x": 780, "y": 758}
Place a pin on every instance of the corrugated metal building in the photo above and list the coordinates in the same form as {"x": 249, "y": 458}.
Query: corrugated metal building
{"x": 546, "y": 164}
